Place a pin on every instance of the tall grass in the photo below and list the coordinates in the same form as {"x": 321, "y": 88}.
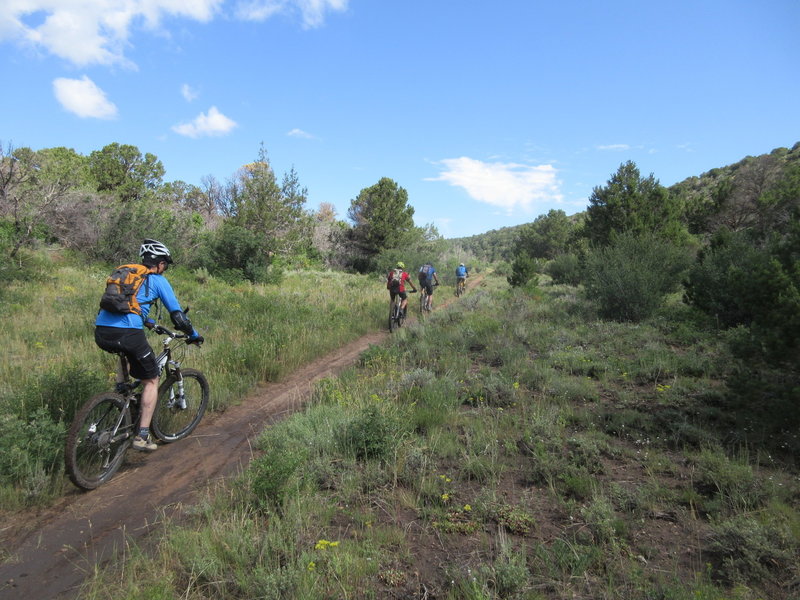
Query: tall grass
{"x": 508, "y": 447}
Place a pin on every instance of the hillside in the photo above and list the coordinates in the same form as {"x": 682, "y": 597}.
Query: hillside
{"x": 724, "y": 195}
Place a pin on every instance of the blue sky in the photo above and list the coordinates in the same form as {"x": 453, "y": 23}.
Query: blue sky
{"x": 488, "y": 113}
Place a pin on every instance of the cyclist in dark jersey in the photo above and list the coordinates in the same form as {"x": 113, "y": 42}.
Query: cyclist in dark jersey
{"x": 427, "y": 277}
{"x": 123, "y": 333}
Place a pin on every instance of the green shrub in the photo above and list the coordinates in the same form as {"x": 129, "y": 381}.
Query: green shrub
{"x": 566, "y": 269}
{"x": 602, "y": 521}
{"x": 509, "y": 572}
{"x": 272, "y": 472}
{"x": 370, "y": 434}
{"x": 629, "y": 279}
{"x": 524, "y": 271}
{"x": 492, "y": 389}
{"x": 733, "y": 484}
{"x": 734, "y": 281}
{"x": 30, "y": 451}
{"x": 751, "y": 551}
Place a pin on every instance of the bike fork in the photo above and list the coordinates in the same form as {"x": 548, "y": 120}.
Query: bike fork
{"x": 178, "y": 399}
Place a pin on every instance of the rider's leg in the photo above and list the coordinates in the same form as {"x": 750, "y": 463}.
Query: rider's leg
{"x": 148, "y": 402}
{"x": 143, "y": 440}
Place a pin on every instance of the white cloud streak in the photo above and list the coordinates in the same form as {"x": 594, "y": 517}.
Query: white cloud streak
{"x": 188, "y": 92}
{"x": 614, "y": 147}
{"x": 83, "y": 98}
{"x": 299, "y": 133}
{"x": 211, "y": 124}
{"x": 506, "y": 185}
{"x": 312, "y": 12}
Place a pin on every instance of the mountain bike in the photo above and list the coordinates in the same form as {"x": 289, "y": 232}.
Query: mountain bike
{"x": 396, "y": 315}
{"x": 423, "y": 300}
{"x": 461, "y": 286}
{"x": 103, "y": 429}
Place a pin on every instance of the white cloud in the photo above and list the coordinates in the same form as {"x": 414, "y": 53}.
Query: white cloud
{"x": 505, "y": 185}
{"x": 299, "y": 133}
{"x": 213, "y": 123}
{"x": 614, "y": 147}
{"x": 83, "y": 98}
{"x": 86, "y": 32}
{"x": 188, "y": 92}
{"x": 312, "y": 11}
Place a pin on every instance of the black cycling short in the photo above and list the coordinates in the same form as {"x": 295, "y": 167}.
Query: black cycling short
{"x": 427, "y": 285}
{"x": 133, "y": 344}
{"x": 392, "y": 294}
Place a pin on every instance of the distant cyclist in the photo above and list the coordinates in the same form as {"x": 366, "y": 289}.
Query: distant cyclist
{"x": 396, "y": 284}
{"x": 461, "y": 275}
{"x": 427, "y": 279}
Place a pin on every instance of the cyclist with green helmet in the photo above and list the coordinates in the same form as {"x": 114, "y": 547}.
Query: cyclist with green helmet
{"x": 396, "y": 284}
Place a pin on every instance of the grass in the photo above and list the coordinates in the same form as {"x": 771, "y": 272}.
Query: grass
{"x": 559, "y": 465}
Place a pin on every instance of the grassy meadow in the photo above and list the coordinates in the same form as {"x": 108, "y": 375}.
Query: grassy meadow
{"x": 511, "y": 446}
{"x": 50, "y": 364}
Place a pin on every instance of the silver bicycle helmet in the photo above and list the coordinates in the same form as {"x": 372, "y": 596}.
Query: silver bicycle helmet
{"x": 155, "y": 250}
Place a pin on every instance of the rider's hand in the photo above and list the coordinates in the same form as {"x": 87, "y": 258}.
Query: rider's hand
{"x": 195, "y": 339}
{"x": 149, "y": 323}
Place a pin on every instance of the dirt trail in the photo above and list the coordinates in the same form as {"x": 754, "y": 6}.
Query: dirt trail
{"x": 51, "y": 552}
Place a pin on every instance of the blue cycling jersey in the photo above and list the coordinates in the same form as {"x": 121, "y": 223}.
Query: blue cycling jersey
{"x": 461, "y": 271}
{"x": 155, "y": 287}
{"x": 430, "y": 273}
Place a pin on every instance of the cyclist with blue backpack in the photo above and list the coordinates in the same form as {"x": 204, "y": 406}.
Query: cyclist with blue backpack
{"x": 427, "y": 279}
{"x": 461, "y": 277}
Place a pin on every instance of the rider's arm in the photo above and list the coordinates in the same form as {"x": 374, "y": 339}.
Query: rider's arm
{"x": 176, "y": 313}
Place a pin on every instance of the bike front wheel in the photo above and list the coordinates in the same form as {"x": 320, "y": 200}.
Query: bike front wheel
{"x": 97, "y": 440}
{"x": 182, "y": 400}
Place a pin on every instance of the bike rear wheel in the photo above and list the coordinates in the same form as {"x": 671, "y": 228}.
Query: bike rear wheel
{"x": 177, "y": 414}
{"x": 95, "y": 446}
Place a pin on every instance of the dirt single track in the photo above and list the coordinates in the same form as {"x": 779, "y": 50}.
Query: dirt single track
{"x": 47, "y": 555}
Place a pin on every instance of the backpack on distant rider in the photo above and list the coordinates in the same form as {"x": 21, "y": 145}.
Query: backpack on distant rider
{"x": 395, "y": 279}
{"x": 121, "y": 289}
{"x": 425, "y": 272}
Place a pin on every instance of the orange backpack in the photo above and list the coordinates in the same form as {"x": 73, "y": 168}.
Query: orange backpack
{"x": 121, "y": 288}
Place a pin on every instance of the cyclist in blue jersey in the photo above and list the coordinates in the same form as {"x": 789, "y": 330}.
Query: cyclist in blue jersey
{"x": 461, "y": 274}
{"x": 123, "y": 333}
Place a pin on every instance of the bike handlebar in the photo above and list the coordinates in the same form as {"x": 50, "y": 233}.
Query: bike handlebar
{"x": 161, "y": 330}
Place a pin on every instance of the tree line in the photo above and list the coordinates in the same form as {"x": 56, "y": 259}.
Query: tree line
{"x": 250, "y": 226}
